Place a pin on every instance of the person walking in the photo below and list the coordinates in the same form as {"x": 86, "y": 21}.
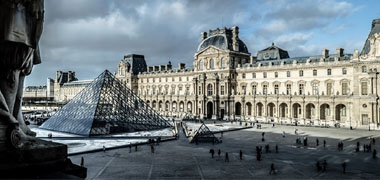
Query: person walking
{"x": 344, "y": 167}
{"x": 283, "y": 134}
{"x": 130, "y": 148}
{"x": 219, "y": 152}
{"x": 152, "y": 148}
{"x": 276, "y": 148}
{"x": 324, "y": 165}
{"x": 212, "y": 152}
{"x": 82, "y": 161}
{"x": 324, "y": 143}
{"x": 374, "y": 154}
{"x": 136, "y": 147}
{"x": 272, "y": 169}
{"x": 317, "y": 141}
{"x": 241, "y": 155}
{"x": 319, "y": 168}
{"x": 227, "y": 159}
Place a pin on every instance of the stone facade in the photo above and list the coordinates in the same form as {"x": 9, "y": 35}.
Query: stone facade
{"x": 226, "y": 82}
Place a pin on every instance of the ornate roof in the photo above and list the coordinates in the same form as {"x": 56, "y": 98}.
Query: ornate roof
{"x": 222, "y": 39}
{"x": 271, "y": 53}
{"x": 375, "y": 29}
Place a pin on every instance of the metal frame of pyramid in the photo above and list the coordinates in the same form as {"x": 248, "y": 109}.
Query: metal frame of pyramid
{"x": 105, "y": 106}
{"x": 204, "y": 134}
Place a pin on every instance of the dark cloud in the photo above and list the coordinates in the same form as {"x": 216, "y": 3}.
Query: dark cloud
{"x": 88, "y": 36}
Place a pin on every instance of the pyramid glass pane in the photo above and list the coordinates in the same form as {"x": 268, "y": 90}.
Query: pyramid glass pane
{"x": 106, "y": 106}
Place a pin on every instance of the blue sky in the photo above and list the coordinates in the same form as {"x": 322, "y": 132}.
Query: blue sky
{"x": 88, "y": 36}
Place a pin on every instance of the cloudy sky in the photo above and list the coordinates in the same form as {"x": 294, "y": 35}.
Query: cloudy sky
{"x": 88, "y": 36}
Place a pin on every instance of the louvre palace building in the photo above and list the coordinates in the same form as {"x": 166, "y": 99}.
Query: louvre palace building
{"x": 227, "y": 82}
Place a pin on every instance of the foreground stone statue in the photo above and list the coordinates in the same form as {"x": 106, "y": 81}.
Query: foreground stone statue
{"x": 21, "y": 24}
{"x": 20, "y": 31}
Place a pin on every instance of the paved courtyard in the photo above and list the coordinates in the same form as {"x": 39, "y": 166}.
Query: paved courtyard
{"x": 179, "y": 159}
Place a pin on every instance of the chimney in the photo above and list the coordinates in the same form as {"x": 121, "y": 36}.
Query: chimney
{"x": 235, "y": 38}
{"x": 203, "y": 36}
{"x": 181, "y": 65}
{"x": 169, "y": 66}
{"x": 339, "y": 52}
{"x": 57, "y": 75}
{"x": 156, "y": 68}
{"x": 325, "y": 53}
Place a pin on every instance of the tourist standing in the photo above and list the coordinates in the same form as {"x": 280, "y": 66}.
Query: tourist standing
{"x": 317, "y": 141}
{"x": 324, "y": 165}
{"x": 272, "y": 169}
{"x": 152, "y": 148}
{"x": 344, "y": 167}
{"x": 219, "y": 152}
{"x": 374, "y": 154}
{"x": 227, "y": 159}
{"x": 324, "y": 143}
{"x": 212, "y": 152}
{"x": 276, "y": 148}
{"x": 241, "y": 155}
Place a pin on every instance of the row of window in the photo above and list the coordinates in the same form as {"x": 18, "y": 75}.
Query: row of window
{"x": 288, "y": 73}
{"x": 160, "y": 79}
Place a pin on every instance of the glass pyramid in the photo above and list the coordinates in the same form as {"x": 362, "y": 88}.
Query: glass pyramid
{"x": 204, "y": 134}
{"x": 106, "y": 106}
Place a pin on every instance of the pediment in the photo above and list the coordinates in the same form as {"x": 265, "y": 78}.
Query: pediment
{"x": 210, "y": 50}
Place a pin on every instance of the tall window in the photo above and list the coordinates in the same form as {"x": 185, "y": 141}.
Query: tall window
{"x": 253, "y": 75}
{"x": 243, "y": 89}
{"x": 201, "y": 65}
{"x": 344, "y": 71}
{"x": 212, "y": 64}
{"x": 315, "y": 89}
{"x": 222, "y": 90}
{"x": 254, "y": 90}
{"x": 275, "y": 74}
{"x": 288, "y": 74}
{"x": 222, "y": 63}
{"x": 265, "y": 74}
{"x": 329, "y": 72}
{"x": 344, "y": 88}
{"x": 315, "y": 72}
{"x": 243, "y": 75}
{"x": 265, "y": 89}
{"x": 364, "y": 69}
{"x": 301, "y": 73}
{"x": 328, "y": 88}
{"x": 209, "y": 90}
{"x": 200, "y": 90}
{"x": 364, "y": 88}
{"x": 288, "y": 89}
{"x": 276, "y": 89}
{"x": 301, "y": 89}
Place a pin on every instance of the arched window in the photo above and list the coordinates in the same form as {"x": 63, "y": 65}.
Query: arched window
{"x": 209, "y": 90}
{"x": 212, "y": 64}
{"x": 222, "y": 63}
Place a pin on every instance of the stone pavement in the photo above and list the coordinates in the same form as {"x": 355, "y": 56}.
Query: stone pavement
{"x": 179, "y": 159}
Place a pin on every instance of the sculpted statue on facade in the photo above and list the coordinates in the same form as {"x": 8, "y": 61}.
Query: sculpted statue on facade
{"x": 21, "y": 23}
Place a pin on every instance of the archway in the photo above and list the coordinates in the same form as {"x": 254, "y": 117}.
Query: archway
{"x": 189, "y": 107}
{"x": 296, "y": 110}
{"x": 160, "y": 105}
{"x": 181, "y": 106}
{"x": 283, "y": 110}
{"x": 174, "y": 106}
{"x": 154, "y": 104}
{"x": 271, "y": 109}
{"x": 340, "y": 111}
{"x": 310, "y": 108}
{"x": 210, "y": 107}
{"x": 167, "y": 105}
{"x": 249, "y": 108}
{"x": 324, "y": 111}
{"x": 259, "y": 109}
{"x": 238, "y": 109}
